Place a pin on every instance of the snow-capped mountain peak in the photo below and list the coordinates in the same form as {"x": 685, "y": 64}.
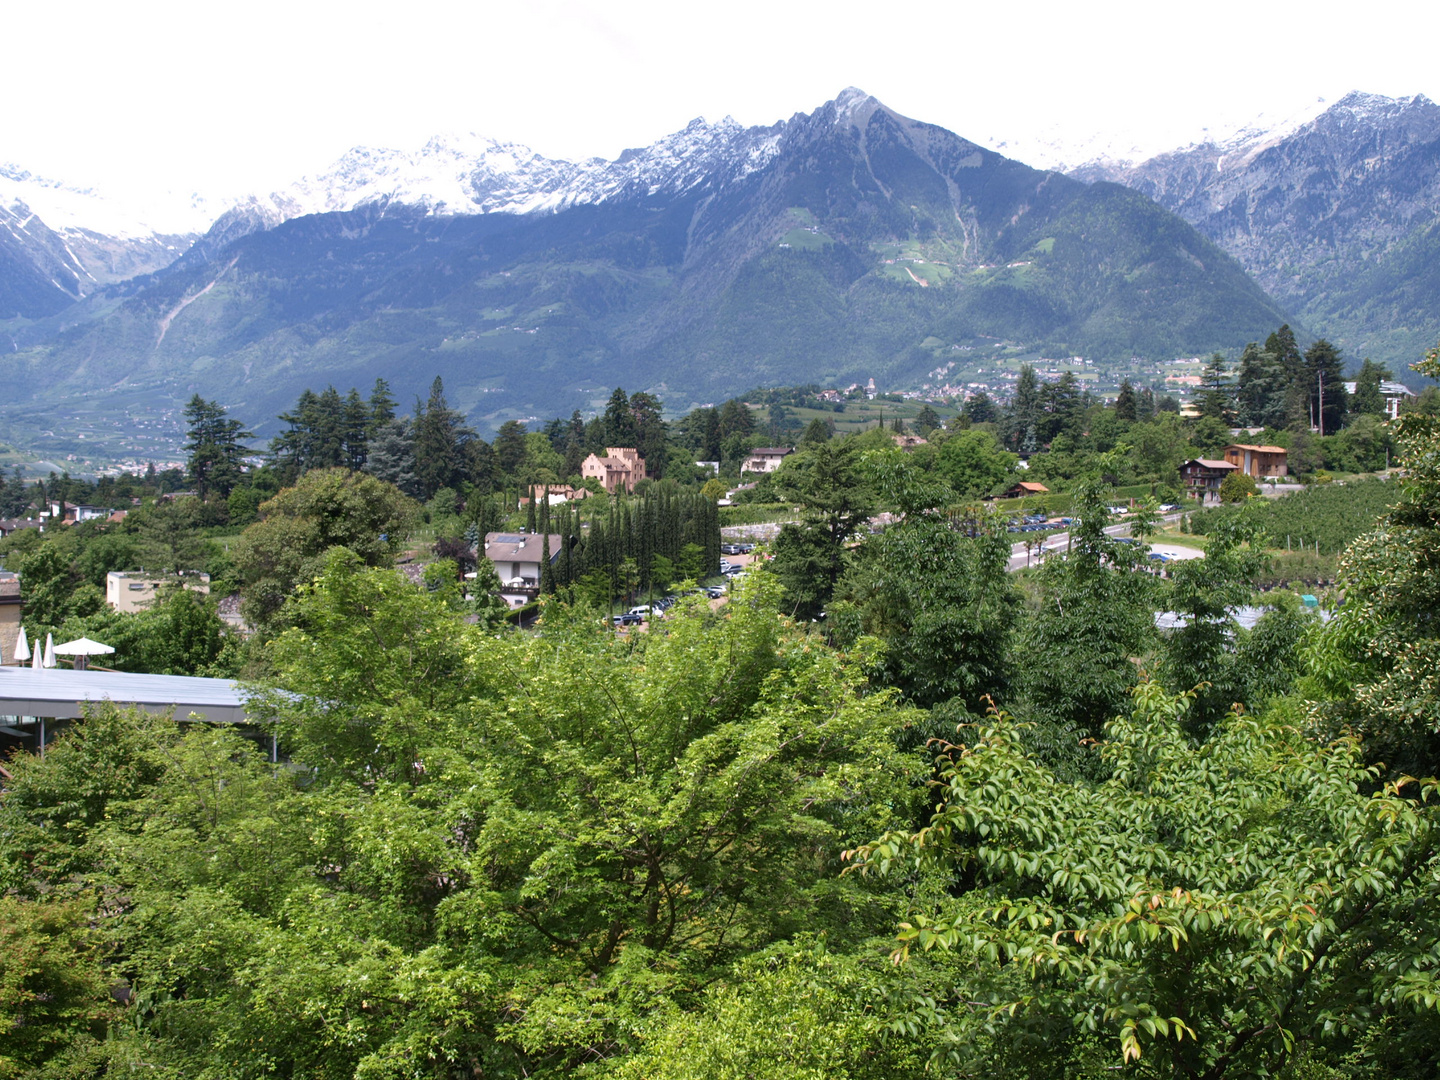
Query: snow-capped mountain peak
{"x": 474, "y": 174}
{"x": 64, "y": 208}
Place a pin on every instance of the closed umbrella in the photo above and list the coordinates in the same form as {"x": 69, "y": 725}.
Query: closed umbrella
{"x": 22, "y": 647}
{"x": 82, "y": 649}
{"x": 49, "y": 650}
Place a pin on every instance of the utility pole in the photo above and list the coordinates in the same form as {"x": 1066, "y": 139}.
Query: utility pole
{"x": 1320, "y": 382}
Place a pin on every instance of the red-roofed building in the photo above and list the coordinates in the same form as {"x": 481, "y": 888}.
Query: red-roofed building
{"x": 1025, "y": 488}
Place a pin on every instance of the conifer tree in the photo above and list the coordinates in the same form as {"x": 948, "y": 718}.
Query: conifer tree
{"x": 1367, "y": 400}
{"x": 1325, "y": 387}
{"x": 1125, "y": 402}
{"x": 213, "y": 449}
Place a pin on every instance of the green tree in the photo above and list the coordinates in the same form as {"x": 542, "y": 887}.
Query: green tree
{"x": 619, "y": 420}
{"x": 817, "y": 431}
{"x": 54, "y": 990}
{"x": 828, "y": 482}
{"x": 974, "y": 464}
{"x": 180, "y": 633}
{"x": 213, "y": 447}
{"x": 327, "y": 508}
{"x": 934, "y": 589}
{"x": 1095, "y": 612}
{"x": 1367, "y": 400}
{"x": 440, "y": 438}
{"x": 1025, "y": 414}
{"x": 1125, "y": 402}
{"x": 1375, "y": 664}
{"x": 510, "y": 447}
{"x": 1205, "y": 593}
{"x": 1217, "y": 397}
{"x": 651, "y": 433}
{"x": 1237, "y": 487}
{"x": 1325, "y": 374}
{"x": 392, "y": 456}
{"x": 169, "y": 536}
{"x": 1210, "y": 908}
{"x": 980, "y": 409}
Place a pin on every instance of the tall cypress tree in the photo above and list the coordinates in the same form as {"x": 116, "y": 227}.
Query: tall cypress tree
{"x": 547, "y": 575}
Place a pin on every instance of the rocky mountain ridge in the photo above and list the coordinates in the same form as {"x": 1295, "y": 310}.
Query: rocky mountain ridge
{"x": 850, "y": 242}
{"x": 1338, "y": 218}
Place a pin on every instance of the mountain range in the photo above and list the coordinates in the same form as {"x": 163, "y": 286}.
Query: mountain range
{"x": 847, "y": 243}
{"x": 1338, "y": 218}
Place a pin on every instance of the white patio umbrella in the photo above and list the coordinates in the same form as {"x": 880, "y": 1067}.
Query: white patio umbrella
{"x": 22, "y": 647}
{"x": 82, "y": 649}
{"x": 37, "y": 658}
{"x": 49, "y": 650}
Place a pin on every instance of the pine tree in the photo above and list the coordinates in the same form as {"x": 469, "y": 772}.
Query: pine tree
{"x": 1215, "y": 399}
{"x": 1260, "y": 388}
{"x": 213, "y": 449}
{"x": 440, "y": 436}
{"x": 392, "y": 456}
{"x": 1367, "y": 400}
{"x": 547, "y": 575}
{"x": 510, "y": 447}
{"x": 382, "y": 407}
{"x": 1325, "y": 374}
{"x": 979, "y": 408}
{"x": 1026, "y": 410}
{"x": 355, "y": 430}
{"x": 1125, "y": 402}
{"x": 619, "y": 420}
{"x": 650, "y": 434}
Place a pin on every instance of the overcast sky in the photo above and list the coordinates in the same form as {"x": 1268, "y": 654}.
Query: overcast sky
{"x": 226, "y": 98}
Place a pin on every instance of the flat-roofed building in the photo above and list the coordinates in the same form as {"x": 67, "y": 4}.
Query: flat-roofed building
{"x": 10, "y": 608}
{"x": 132, "y": 590}
{"x": 766, "y": 459}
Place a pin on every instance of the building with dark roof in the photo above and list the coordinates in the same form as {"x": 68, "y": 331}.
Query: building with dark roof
{"x": 517, "y": 558}
{"x": 1202, "y": 477}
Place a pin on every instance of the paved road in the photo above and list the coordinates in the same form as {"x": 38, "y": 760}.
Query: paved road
{"x": 1019, "y": 558}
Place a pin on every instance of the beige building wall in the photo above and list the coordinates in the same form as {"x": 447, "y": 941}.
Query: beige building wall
{"x": 9, "y": 630}
{"x": 130, "y": 592}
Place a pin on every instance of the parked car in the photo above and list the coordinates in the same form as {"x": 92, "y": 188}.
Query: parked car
{"x": 640, "y": 610}
{"x": 729, "y": 549}
{"x": 626, "y": 619}
{"x": 715, "y": 592}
